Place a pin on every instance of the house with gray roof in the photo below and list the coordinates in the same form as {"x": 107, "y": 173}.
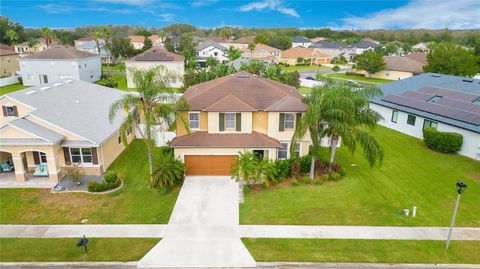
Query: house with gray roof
{"x": 447, "y": 103}
{"x": 91, "y": 46}
{"x": 301, "y": 41}
{"x": 60, "y": 62}
{"x": 59, "y": 123}
{"x": 209, "y": 48}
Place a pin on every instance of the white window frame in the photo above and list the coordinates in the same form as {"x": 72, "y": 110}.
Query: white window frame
{"x": 197, "y": 120}
{"x": 289, "y": 121}
{"x": 298, "y": 149}
{"x": 396, "y": 118}
{"x": 231, "y": 120}
{"x": 81, "y": 156}
{"x": 281, "y": 149}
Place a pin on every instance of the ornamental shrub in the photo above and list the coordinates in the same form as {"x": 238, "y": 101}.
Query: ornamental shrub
{"x": 446, "y": 142}
{"x": 111, "y": 181}
{"x": 284, "y": 168}
{"x": 108, "y": 82}
{"x": 110, "y": 177}
{"x": 305, "y": 162}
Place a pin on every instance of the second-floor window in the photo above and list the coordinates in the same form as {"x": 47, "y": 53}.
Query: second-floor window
{"x": 194, "y": 119}
{"x": 229, "y": 120}
{"x": 289, "y": 120}
{"x": 10, "y": 111}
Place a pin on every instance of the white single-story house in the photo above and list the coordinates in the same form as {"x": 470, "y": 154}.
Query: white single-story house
{"x": 58, "y": 63}
{"x": 301, "y": 41}
{"x": 447, "y": 103}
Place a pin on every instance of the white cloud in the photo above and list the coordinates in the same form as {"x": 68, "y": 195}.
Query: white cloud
{"x": 202, "y": 3}
{"x": 128, "y": 2}
{"x": 56, "y": 9}
{"x": 273, "y": 5}
{"x": 432, "y": 14}
{"x": 167, "y": 17}
{"x": 63, "y": 9}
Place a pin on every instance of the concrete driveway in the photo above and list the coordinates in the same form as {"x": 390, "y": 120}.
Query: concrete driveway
{"x": 203, "y": 230}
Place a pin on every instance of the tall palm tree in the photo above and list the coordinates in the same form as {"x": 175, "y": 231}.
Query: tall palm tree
{"x": 225, "y": 34}
{"x": 149, "y": 106}
{"x": 346, "y": 110}
{"x": 47, "y": 35}
{"x": 312, "y": 122}
{"x": 97, "y": 36}
{"x": 163, "y": 36}
{"x": 106, "y": 33}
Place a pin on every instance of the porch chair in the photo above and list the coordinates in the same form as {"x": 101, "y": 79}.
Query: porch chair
{"x": 40, "y": 171}
{"x": 7, "y": 165}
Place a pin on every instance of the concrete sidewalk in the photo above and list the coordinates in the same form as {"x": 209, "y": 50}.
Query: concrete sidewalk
{"x": 244, "y": 231}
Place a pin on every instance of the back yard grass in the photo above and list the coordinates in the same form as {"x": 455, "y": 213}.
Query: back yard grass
{"x": 12, "y": 88}
{"x": 366, "y": 80}
{"x": 411, "y": 175}
{"x": 134, "y": 203}
{"x": 304, "y": 68}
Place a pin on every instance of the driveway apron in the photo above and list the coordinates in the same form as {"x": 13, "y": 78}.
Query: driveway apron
{"x": 203, "y": 230}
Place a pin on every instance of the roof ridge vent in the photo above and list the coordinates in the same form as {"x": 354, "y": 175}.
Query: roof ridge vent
{"x": 45, "y": 88}
{"x": 436, "y": 75}
{"x": 470, "y": 80}
{"x": 30, "y": 92}
{"x": 243, "y": 76}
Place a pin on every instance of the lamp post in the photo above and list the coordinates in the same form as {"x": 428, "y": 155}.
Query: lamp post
{"x": 461, "y": 186}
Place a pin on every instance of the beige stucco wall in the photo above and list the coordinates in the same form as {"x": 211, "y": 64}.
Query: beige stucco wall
{"x": 213, "y": 125}
{"x": 111, "y": 149}
{"x": 22, "y": 109}
{"x": 388, "y": 74}
{"x": 9, "y": 64}
{"x": 260, "y": 122}
{"x": 181, "y": 130}
{"x": 291, "y": 61}
{"x": 176, "y": 68}
{"x": 11, "y": 132}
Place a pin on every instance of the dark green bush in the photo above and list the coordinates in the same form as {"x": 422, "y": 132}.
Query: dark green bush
{"x": 353, "y": 74}
{"x": 305, "y": 163}
{"x": 284, "y": 168}
{"x": 442, "y": 141}
{"x": 108, "y": 82}
{"x": 110, "y": 177}
{"x": 294, "y": 182}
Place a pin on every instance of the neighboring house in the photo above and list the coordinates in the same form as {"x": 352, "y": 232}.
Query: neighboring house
{"x": 156, "y": 40}
{"x": 41, "y": 45}
{"x": 221, "y": 41}
{"x": 401, "y": 67}
{"x": 137, "y": 41}
{"x": 57, "y": 63}
{"x": 91, "y": 46}
{"x": 364, "y": 45}
{"x": 237, "y": 63}
{"x": 421, "y": 47}
{"x": 235, "y": 113}
{"x": 242, "y": 42}
{"x": 263, "y": 53}
{"x": 447, "y": 103}
{"x": 157, "y": 56}
{"x": 334, "y": 49}
{"x": 59, "y": 123}
{"x": 371, "y": 40}
{"x": 207, "y": 49}
{"x": 82, "y": 40}
{"x": 301, "y": 41}
{"x": 318, "y": 39}
{"x": 8, "y": 61}
{"x": 291, "y": 56}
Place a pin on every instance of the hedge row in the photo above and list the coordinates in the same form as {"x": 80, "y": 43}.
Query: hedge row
{"x": 442, "y": 141}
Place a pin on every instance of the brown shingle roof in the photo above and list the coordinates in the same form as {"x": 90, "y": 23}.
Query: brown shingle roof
{"x": 230, "y": 103}
{"x": 204, "y": 139}
{"x": 419, "y": 57}
{"x": 256, "y": 92}
{"x": 60, "y": 52}
{"x": 264, "y": 47}
{"x": 294, "y": 53}
{"x": 6, "y": 50}
{"x": 403, "y": 63}
{"x": 136, "y": 38}
{"x": 157, "y": 54}
{"x": 244, "y": 39}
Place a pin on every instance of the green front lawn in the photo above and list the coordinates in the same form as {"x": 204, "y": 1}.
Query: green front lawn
{"x": 371, "y": 251}
{"x": 411, "y": 175}
{"x": 304, "y": 68}
{"x": 122, "y": 83}
{"x": 65, "y": 249}
{"x": 12, "y": 88}
{"x": 119, "y": 67}
{"x": 134, "y": 203}
{"x": 366, "y": 80}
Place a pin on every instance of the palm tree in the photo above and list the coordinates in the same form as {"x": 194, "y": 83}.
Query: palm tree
{"x": 162, "y": 35}
{"x": 97, "y": 36}
{"x": 12, "y": 36}
{"x": 47, "y": 35}
{"x": 252, "y": 46}
{"x": 149, "y": 107}
{"x": 345, "y": 110}
{"x": 106, "y": 33}
{"x": 225, "y": 34}
{"x": 32, "y": 42}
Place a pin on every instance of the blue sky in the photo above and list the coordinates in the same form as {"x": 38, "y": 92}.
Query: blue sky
{"x": 339, "y": 14}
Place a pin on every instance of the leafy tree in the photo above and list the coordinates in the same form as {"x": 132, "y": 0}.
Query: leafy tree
{"x": 251, "y": 46}
{"x": 451, "y": 59}
{"x": 147, "y": 44}
{"x": 147, "y": 106}
{"x": 291, "y": 78}
{"x": 225, "y": 34}
{"x": 178, "y": 29}
{"x": 261, "y": 39}
{"x": 121, "y": 47}
{"x": 339, "y": 60}
{"x": 163, "y": 36}
{"x": 253, "y": 67}
{"x": 233, "y": 53}
{"x": 186, "y": 48}
{"x": 32, "y": 42}
{"x": 336, "y": 68}
{"x": 273, "y": 72}
{"x": 370, "y": 61}
{"x": 143, "y": 32}
{"x": 212, "y": 61}
{"x": 12, "y": 36}
{"x": 169, "y": 45}
{"x": 7, "y": 24}
{"x": 167, "y": 172}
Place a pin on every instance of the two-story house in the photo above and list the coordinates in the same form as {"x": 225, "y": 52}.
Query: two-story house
{"x": 263, "y": 53}
{"x": 58, "y": 63}
{"x": 235, "y": 113}
{"x": 209, "y": 48}
{"x": 43, "y": 128}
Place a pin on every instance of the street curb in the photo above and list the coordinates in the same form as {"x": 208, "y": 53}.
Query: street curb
{"x": 366, "y": 265}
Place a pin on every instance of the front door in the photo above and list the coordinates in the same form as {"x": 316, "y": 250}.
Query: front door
{"x": 43, "y": 79}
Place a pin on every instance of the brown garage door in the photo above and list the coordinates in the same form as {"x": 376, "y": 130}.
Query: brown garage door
{"x": 214, "y": 165}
